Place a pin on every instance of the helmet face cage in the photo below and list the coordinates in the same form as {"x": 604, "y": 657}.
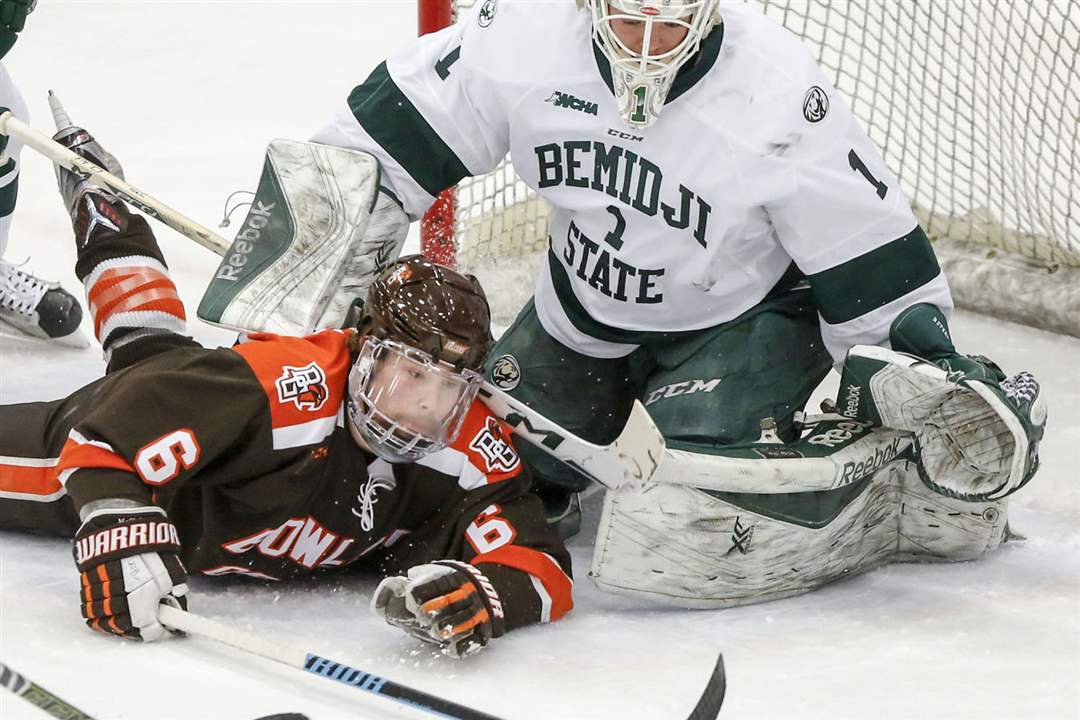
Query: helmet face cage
{"x": 642, "y": 80}
{"x": 405, "y": 404}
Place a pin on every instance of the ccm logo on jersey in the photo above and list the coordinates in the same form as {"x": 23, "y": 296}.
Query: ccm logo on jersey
{"x": 686, "y": 387}
{"x": 304, "y": 386}
{"x": 498, "y": 454}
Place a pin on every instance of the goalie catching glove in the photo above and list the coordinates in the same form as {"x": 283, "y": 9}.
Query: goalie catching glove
{"x": 450, "y": 604}
{"x": 128, "y": 564}
{"x": 977, "y": 432}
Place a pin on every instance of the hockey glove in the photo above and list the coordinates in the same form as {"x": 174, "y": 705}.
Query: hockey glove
{"x": 73, "y": 186}
{"x": 129, "y": 565}
{"x": 977, "y": 439}
{"x": 448, "y": 603}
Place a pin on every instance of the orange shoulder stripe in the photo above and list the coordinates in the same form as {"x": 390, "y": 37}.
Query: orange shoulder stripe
{"x": 85, "y": 455}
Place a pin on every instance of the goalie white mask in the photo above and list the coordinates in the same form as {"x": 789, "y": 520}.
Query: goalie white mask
{"x": 647, "y": 42}
{"x": 403, "y": 403}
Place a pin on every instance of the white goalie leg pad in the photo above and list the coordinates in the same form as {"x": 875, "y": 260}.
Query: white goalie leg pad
{"x": 310, "y": 225}
{"x": 935, "y": 528}
{"x": 682, "y": 546}
{"x": 700, "y": 547}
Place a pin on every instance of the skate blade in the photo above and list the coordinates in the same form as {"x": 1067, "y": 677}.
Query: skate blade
{"x": 77, "y": 340}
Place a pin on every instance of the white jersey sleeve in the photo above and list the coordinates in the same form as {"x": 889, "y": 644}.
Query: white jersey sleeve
{"x": 428, "y": 113}
{"x": 843, "y": 217}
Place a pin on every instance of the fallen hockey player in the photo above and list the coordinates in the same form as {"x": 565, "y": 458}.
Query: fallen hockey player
{"x": 282, "y": 456}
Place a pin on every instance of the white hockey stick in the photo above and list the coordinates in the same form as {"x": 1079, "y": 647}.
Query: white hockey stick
{"x": 316, "y": 665}
{"x": 13, "y": 127}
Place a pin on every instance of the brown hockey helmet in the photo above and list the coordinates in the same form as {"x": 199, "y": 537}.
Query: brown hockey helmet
{"x": 432, "y": 308}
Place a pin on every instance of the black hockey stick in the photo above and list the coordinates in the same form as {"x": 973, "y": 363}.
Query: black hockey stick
{"x": 37, "y": 695}
{"x": 708, "y": 706}
{"x": 318, "y": 665}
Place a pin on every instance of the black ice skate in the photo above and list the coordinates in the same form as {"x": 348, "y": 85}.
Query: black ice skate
{"x": 38, "y": 309}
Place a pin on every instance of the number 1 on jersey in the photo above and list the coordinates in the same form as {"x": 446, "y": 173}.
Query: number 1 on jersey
{"x": 639, "y": 94}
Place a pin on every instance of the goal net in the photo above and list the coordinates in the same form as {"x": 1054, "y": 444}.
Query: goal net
{"x": 976, "y": 106}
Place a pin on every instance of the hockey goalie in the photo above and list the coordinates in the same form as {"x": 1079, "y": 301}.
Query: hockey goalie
{"x": 723, "y": 232}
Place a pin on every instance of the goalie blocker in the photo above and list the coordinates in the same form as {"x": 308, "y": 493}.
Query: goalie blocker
{"x": 318, "y": 233}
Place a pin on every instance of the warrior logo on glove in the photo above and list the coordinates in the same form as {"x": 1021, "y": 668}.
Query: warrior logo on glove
{"x": 128, "y": 565}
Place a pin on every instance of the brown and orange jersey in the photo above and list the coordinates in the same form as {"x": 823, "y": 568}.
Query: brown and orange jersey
{"x": 246, "y": 448}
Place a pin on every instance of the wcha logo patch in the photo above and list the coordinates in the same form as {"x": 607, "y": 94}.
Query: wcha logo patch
{"x": 505, "y": 372}
{"x": 565, "y": 100}
{"x": 304, "y": 386}
{"x": 815, "y": 105}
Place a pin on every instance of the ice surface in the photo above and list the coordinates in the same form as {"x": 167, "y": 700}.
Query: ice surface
{"x": 187, "y": 95}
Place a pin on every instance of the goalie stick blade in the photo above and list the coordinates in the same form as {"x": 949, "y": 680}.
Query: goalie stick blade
{"x": 284, "y": 716}
{"x": 708, "y": 706}
{"x": 631, "y": 459}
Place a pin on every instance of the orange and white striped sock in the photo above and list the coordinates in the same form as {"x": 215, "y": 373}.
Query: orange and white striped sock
{"x": 131, "y": 295}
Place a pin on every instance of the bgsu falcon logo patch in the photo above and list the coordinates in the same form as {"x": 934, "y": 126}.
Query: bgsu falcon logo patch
{"x": 304, "y": 386}
{"x": 499, "y": 455}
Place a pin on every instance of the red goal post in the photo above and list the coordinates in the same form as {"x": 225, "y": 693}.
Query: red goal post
{"x": 437, "y": 225}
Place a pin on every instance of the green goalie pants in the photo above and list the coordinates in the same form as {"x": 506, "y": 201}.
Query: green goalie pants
{"x": 705, "y": 389}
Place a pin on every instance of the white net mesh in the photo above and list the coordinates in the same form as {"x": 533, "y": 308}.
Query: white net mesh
{"x": 976, "y": 106}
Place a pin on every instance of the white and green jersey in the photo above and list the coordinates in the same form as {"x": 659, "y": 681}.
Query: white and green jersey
{"x": 756, "y": 164}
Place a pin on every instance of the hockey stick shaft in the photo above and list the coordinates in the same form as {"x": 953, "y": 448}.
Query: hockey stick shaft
{"x": 65, "y": 158}
{"x": 317, "y": 665}
{"x": 37, "y": 695}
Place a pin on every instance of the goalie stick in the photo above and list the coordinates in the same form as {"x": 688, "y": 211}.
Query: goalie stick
{"x": 37, "y": 695}
{"x": 631, "y": 459}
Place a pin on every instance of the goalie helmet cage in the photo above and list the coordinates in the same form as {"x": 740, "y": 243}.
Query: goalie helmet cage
{"x": 975, "y": 104}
